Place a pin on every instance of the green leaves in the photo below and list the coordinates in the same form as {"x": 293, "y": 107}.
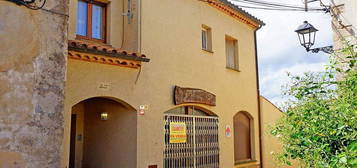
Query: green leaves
{"x": 352, "y": 146}
{"x": 320, "y": 125}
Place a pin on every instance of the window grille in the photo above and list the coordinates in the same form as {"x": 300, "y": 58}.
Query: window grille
{"x": 201, "y": 149}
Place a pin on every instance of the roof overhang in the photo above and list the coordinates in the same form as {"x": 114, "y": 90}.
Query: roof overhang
{"x": 104, "y": 54}
{"x": 236, "y": 12}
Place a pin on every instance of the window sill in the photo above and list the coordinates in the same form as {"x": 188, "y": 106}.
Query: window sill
{"x": 96, "y": 41}
{"x": 207, "y": 50}
{"x": 103, "y": 1}
{"x": 246, "y": 163}
{"x": 233, "y": 69}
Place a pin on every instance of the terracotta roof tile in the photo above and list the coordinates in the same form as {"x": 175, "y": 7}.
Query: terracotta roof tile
{"x": 103, "y": 49}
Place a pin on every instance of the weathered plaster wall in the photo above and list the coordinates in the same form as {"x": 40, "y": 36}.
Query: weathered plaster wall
{"x": 32, "y": 74}
{"x": 344, "y": 25}
{"x": 346, "y": 14}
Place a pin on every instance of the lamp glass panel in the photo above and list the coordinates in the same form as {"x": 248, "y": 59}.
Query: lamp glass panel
{"x": 307, "y": 41}
{"x": 306, "y": 31}
{"x": 313, "y": 34}
{"x": 301, "y": 40}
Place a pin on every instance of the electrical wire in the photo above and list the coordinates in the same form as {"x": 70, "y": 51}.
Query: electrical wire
{"x": 272, "y": 8}
{"x": 336, "y": 16}
{"x": 35, "y": 7}
{"x": 269, "y": 4}
{"x": 277, "y": 9}
{"x": 264, "y": 5}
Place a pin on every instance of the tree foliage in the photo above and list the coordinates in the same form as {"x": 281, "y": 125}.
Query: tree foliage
{"x": 319, "y": 126}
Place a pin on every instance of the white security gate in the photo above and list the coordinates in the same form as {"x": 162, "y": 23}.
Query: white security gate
{"x": 201, "y": 149}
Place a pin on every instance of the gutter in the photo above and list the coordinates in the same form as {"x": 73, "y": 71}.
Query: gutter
{"x": 258, "y": 98}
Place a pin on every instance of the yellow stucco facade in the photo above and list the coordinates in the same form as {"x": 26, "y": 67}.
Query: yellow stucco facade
{"x": 271, "y": 145}
{"x": 169, "y": 34}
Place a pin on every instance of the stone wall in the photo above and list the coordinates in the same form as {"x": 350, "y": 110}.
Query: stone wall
{"x": 344, "y": 23}
{"x": 33, "y": 47}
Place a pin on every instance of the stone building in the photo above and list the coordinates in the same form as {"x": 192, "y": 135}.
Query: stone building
{"x": 131, "y": 84}
{"x": 344, "y": 22}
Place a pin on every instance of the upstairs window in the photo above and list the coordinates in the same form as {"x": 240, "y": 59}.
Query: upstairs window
{"x": 91, "y": 20}
{"x": 232, "y": 53}
{"x": 206, "y": 38}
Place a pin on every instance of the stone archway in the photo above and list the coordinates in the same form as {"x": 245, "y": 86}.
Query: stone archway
{"x": 98, "y": 143}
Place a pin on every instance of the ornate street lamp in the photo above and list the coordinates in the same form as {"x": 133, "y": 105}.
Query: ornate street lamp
{"x": 307, "y": 34}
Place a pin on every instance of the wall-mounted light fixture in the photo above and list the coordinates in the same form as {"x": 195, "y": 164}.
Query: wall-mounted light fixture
{"x": 31, "y": 4}
{"x": 307, "y": 34}
{"x": 104, "y": 116}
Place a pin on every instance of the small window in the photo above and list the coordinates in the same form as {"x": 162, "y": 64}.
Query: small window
{"x": 243, "y": 132}
{"x": 91, "y": 20}
{"x": 206, "y": 38}
{"x": 232, "y": 53}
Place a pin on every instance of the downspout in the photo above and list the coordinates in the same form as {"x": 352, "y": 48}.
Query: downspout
{"x": 129, "y": 14}
{"x": 123, "y": 27}
{"x": 258, "y": 98}
{"x": 140, "y": 25}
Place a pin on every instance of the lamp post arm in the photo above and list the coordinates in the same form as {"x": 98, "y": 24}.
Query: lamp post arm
{"x": 327, "y": 49}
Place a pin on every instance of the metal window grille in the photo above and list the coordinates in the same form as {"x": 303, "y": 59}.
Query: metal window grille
{"x": 201, "y": 149}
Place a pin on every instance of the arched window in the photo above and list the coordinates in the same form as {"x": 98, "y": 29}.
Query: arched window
{"x": 190, "y": 110}
{"x": 243, "y": 137}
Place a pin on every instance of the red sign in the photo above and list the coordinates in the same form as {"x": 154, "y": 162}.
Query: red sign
{"x": 228, "y": 131}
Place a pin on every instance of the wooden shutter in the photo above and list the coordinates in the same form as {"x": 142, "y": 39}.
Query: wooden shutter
{"x": 242, "y": 137}
{"x": 232, "y": 53}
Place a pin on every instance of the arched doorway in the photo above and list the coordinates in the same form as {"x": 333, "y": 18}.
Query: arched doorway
{"x": 103, "y": 134}
{"x": 191, "y": 138}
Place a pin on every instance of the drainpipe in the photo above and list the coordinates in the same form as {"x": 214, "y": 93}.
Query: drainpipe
{"x": 123, "y": 27}
{"x": 258, "y": 98}
{"x": 140, "y": 24}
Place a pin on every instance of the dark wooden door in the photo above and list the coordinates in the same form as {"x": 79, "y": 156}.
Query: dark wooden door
{"x": 72, "y": 154}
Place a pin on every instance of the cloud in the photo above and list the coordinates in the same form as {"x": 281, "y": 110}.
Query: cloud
{"x": 271, "y": 83}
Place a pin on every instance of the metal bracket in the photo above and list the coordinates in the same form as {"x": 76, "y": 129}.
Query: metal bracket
{"x": 327, "y": 49}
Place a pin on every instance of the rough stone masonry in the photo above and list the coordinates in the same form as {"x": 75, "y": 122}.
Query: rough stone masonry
{"x": 33, "y": 52}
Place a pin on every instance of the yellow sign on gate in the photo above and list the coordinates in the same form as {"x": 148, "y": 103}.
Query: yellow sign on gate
{"x": 178, "y": 132}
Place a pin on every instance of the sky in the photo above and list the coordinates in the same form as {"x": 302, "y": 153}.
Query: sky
{"x": 279, "y": 50}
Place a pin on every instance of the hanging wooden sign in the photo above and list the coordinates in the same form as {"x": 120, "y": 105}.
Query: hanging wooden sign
{"x": 192, "y": 95}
